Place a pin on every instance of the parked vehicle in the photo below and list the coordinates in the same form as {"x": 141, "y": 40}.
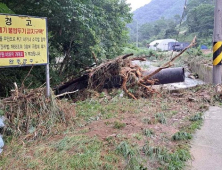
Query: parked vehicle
{"x": 161, "y": 45}
{"x": 177, "y": 46}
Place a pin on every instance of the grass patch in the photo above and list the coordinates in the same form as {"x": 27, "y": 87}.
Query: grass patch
{"x": 177, "y": 160}
{"x": 137, "y": 136}
{"x": 160, "y": 117}
{"x": 147, "y": 120}
{"x": 196, "y": 117}
{"x": 167, "y": 159}
{"x": 131, "y": 155}
{"x": 181, "y": 136}
{"x": 119, "y": 125}
{"x": 148, "y": 132}
{"x": 194, "y": 126}
{"x": 88, "y": 108}
{"x": 94, "y": 109}
{"x": 196, "y": 122}
{"x": 71, "y": 152}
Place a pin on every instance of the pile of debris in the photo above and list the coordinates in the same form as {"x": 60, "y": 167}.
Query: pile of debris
{"x": 120, "y": 72}
{"x": 31, "y": 112}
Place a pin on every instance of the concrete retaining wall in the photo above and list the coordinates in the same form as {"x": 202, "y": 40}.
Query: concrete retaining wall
{"x": 204, "y": 71}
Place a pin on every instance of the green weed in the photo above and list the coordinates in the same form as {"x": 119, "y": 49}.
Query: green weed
{"x": 160, "y": 117}
{"x": 196, "y": 122}
{"x": 111, "y": 140}
{"x": 174, "y": 112}
{"x": 125, "y": 150}
{"x": 111, "y": 157}
{"x": 148, "y": 132}
{"x": 111, "y": 160}
{"x": 181, "y": 136}
{"x": 194, "y": 126}
{"x": 196, "y": 117}
{"x": 118, "y": 125}
{"x": 131, "y": 156}
{"x": 137, "y": 136}
{"x": 147, "y": 120}
{"x": 175, "y": 160}
{"x": 164, "y": 106}
{"x": 151, "y": 151}
{"x": 168, "y": 160}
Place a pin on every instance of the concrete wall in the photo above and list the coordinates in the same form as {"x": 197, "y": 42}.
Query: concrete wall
{"x": 204, "y": 71}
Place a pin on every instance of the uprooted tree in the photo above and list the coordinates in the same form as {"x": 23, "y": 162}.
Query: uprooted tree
{"x": 119, "y": 72}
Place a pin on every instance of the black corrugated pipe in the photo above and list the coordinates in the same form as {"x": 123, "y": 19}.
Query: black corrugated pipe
{"x": 165, "y": 76}
{"x": 168, "y": 75}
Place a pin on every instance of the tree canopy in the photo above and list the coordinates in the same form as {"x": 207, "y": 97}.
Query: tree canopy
{"x": 201, "y": 19}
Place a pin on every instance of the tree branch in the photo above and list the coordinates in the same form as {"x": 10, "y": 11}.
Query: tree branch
{"x": 169, "y": 63}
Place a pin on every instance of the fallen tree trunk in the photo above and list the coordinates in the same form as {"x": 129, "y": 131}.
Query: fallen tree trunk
{"x": 73, "y": 85}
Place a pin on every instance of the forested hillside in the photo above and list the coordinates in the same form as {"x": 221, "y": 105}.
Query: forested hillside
{"x": 157, "y": 9}
{"x": 161, "y": 19}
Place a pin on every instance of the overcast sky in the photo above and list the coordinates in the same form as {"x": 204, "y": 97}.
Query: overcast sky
{"x": 137, "y": 3}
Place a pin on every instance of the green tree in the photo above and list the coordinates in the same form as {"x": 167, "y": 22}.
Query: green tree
{"x": 177, "y": 19}
{"x": 146, "y": 31}
{"x": 76, "y": 29}
{"x": 200, "y": 19}
{"x": 157, "y": 30}
{"x": 5, "y": 9}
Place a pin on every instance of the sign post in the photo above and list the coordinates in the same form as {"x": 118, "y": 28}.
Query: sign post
{"x": 217, "y": 46}
{"x": 24, "y": 42}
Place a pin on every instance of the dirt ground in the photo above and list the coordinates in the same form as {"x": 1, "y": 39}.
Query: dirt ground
{"x": 127, "y": 133}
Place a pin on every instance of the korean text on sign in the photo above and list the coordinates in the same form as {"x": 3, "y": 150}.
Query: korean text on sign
{"x": 23, "y": 40}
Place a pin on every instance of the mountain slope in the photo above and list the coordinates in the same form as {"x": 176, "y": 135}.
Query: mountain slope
{"x": 157, "y": 9}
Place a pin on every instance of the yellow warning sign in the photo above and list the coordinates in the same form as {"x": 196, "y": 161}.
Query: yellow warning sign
{"x": 23, "y": 40}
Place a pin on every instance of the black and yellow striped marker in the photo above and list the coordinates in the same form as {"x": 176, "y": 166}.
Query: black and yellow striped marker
{"x": 217, "y": 56}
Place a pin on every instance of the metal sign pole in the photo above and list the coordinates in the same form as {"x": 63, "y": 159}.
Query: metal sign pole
{"x": 47, "y": 81}
{"x": 47, "y": 66}
{"x": 217, "y": 46}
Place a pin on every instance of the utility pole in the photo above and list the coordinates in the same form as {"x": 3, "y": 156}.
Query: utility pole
{"x": 217, "y": 43}
{"x": 137, "y": 34}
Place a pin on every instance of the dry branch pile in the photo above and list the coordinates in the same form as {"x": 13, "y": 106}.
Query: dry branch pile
{"x": 31, "y": 112}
